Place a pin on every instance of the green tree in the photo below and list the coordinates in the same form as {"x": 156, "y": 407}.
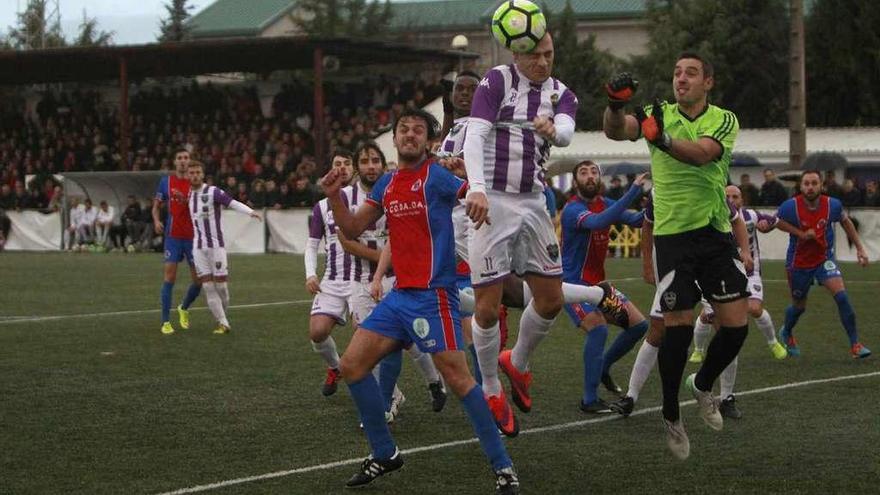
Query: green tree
{"x": 354, "y": 18}
{"x": 843, "y": 63}
{"x": 582, "y": 67}
{"x": 34, "y": 30}
{"x": 745, "y": 40}
{"x": 91, "y": 35}
{"x": 174, "y": 27}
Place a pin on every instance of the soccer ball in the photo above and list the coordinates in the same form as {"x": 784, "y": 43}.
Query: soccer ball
{"x": 519, "y": 25}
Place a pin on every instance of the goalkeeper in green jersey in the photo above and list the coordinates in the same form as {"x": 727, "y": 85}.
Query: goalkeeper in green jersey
{"x": 690, "y": 142}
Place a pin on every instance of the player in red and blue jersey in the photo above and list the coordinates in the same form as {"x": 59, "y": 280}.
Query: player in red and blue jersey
{"x": 586, "y": 219}
{"x": 178, "y": 230}
{"x": 809, "y": 218}
{"x": 417, "y": 202}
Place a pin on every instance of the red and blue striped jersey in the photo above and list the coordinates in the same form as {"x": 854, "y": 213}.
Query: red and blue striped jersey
{"x": 174, "y": 191}
{"x": 584, "y": 242}
{"x": 417, "y": 203}
{"x": 813, "y": 252}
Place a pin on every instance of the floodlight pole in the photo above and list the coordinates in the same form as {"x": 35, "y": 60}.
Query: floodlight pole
{"x": 123, "y": 112}
{"x": 797, "y": 103}
{"x": 318, "y": 126}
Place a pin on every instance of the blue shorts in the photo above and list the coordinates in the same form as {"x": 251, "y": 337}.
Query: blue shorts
{"x": 800, "y": 280}
{"x": 176, "y": 250}
{"x": 427, "y": 317}
{"x": 578, "y": 311}
{"x": 464, "y": 283}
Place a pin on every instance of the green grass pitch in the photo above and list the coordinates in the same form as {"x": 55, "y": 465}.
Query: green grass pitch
{"x": 97, "y": 403}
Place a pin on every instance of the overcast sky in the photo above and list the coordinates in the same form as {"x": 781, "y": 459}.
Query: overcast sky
{"x": 135, "y": 21}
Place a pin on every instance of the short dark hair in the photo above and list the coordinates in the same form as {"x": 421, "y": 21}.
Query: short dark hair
{"x": 430, "y": 121}
{"x": 343, "y": 152}
{"x": 585, "y": 163}
{"x": 808, "y": 172}
{"x": 468, "y": 73}
{"x": 179, "y": 149}
{"x": 708, "y": 70}
{"x": 370, "y": 145}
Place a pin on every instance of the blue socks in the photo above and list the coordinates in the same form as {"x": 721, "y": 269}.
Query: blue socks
{"x": 389, "y": 372}
{"x": 792, "y": 314}
{"x": 624, "y": 342}
{"x": 847, "y": 316}
{"x": 594, "y": 344}
{"x": 484, "y": 426}
{"x": 191, "y": 295}
{"x": 477, "y": 375}
{"x": 370, "y": 405}
{"x": 167, "y": 287}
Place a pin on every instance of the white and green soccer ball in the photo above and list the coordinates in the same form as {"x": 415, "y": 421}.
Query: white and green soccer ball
{"x": 519, "y": 25}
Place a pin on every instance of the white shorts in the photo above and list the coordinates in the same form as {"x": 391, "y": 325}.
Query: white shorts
{"x": 521, "y": 239}
{"x": 361, "y": 302}
{"x": 211, "y": 261}
{"x": 332, "y": 301}
{"x": 756, "y": 287}
{"x": 463, "y": 229}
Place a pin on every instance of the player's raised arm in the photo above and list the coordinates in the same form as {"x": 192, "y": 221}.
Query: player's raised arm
{"x": 357, "y": 248}
{"x": 352, "y": 225}
{"x": 618, "y": 125}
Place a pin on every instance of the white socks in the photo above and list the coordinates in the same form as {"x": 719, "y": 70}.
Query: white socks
{"x": 765, "y": 325}
{"x": 327, "y": 350}
{"x": 532, "y": 330}
{"x": 728, "y": 379}
{"x": 571, "y": 294}
{"x": 487, "y": 343}
{"x": 645, "y": 362}
{"x": 425, "y": 364}
{"x": 215, "y": 304}
{"x": 223, "y": 290}
{"x": 702, "y": 335}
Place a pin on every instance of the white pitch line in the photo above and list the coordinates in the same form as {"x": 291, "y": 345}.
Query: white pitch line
{"x": 456, "y": 443}
{"x": 770, "y": 280}
{"x": 32, "y": 319}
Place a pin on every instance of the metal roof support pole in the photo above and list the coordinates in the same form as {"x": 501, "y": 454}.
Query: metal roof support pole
{"x": 318, "y": 126}
{"x": 124, "y": 124}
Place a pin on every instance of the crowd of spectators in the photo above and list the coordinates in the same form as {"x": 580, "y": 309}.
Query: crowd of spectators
{"x": 268, "y": 161}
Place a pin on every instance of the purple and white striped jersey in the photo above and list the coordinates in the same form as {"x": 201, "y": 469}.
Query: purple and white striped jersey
{"x": 453, "y": 143}
{"x": 751, "y": 218}
{"x": 338, "y": 263}
{"x": 205, "y": 206}
{"x": 514, "y": 155}
{"x": 374, "y": 237}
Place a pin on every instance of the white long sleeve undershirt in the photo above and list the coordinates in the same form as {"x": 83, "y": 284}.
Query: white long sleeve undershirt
{"x": 311, "y": 257}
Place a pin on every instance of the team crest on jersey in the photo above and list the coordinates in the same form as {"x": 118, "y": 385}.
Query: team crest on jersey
{"x": 416, "y": 185}
{"x": 218, "y": 265}
{"x": 204, "y": 198}
{"x": 456, "y": 129}
{"x": 669, "y": 298}
{"x": 421, "y": 327}
{"x": 553, "y": 251}
{"x": 756, "y": 287}
{"x": 554, "y": 99}
{"x": 513, "y": 95}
